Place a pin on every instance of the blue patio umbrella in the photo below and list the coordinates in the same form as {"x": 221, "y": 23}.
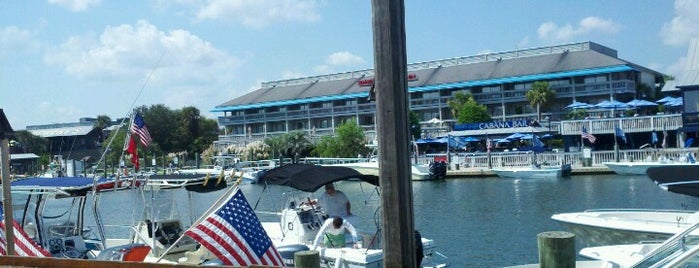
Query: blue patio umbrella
{"x": 641, "y": 103}
{"x": 674, "y": 103}
{"x": 515, "y": 136}
{"x": 579, "y": 105}
{"x": 470, "y": 139}
{"x": 666, "y": 99}
{"x": 613, "y": 104}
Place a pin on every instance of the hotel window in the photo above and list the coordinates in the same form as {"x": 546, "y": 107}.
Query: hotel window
{"x": 491, "y": 89}
{"x": 595, "y": 79}
{"x": 430, "y": 95}
{"x": 691, "y": 101}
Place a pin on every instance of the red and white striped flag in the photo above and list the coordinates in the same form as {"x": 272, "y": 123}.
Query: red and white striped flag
{"x": 24, "y": 245}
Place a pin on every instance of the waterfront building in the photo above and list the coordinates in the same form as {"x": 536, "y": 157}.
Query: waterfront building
{"x": 585, "y": 72}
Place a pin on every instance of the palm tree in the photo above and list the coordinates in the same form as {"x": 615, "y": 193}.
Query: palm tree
{"x": 540, "y": 95}
{"x": 297, "y": 142}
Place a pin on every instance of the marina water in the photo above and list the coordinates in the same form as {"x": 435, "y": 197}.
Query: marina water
{"x": 476, "y": 222}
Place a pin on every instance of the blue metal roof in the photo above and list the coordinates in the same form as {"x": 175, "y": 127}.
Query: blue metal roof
{"x": 526, "y": 78}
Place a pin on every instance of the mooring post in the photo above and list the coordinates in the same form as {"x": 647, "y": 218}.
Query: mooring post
{"x": 556, "y": 249}
{"x": 307, "y": 259}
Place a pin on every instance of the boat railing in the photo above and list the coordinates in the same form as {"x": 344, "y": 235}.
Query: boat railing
{"x": 670, "y": 249}
{"x": 551, "y": 158}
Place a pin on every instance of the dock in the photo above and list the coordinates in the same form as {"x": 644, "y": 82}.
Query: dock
{"x": 478, "y": 172}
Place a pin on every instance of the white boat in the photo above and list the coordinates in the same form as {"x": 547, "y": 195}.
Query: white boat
{"x": 532, "y": 172}
{"x": 600, "y": 227}
{"x": 418, "y": 172}
{"x": 300, "y": 219}
{"x": 677, "y": 251}
{"x": 637, "y": 168}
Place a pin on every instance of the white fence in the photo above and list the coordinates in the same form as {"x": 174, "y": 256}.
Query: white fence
{"x": 511, "y": 159}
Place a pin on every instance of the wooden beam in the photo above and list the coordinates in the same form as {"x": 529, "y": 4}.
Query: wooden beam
{"x": 392, "y": 129}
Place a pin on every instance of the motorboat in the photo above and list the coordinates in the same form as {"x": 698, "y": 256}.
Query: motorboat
{"x": 637, "y": 168}
{"x": 52, "y": 212}
{"x": 598, "y": 227}
{"x": 677, "y": 251}
{"x": 418, "y": 172}
{"x": 681, "y": 178}
{"x": 533, "y": 172}
{"x": 300, "y": 218}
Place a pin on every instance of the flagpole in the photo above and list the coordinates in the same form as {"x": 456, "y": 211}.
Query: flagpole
{"x": 213, "y": 207}
{"x": 616, "y": 146}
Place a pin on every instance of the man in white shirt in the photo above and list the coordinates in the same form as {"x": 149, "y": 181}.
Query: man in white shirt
{"x": 333, "y": 233}
{"x": 335, "y": 203}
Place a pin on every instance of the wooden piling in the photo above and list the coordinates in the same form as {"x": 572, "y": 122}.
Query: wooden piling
{"x": 307, "y": 259}
{"x": 556, "y": 249}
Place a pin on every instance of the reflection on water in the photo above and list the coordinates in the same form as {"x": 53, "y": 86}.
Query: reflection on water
{"x": 489, "y": 222}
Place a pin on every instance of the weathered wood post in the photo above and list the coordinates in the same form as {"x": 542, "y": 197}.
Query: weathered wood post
{"x": 5, "y": 133}
{"x": 556, "y": 249}
{"x": 307, "y": 259}
{"x": 393, "y": 132}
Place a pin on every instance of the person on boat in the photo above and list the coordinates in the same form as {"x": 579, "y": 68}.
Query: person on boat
{"x": 335, "y": 202}
{"x": 333, "y": 233}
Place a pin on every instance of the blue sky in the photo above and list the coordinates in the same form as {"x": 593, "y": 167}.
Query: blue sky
{"x": 61, "y": 60}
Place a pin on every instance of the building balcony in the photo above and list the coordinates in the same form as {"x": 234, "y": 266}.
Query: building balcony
{"x": 628, "y": 124}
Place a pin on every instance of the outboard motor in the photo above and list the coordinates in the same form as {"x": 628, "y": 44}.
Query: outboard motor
{"x": 438, "y": 170}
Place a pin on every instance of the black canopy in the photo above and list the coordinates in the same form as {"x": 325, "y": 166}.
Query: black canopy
{"x": 682, "y": 179}
{"x": 310, "y": 177}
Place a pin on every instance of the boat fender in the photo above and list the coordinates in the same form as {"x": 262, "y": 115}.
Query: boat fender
{"x": 287, "y": 252}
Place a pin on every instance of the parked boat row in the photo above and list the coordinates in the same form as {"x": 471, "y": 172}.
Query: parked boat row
{"x": 159, "y": 234}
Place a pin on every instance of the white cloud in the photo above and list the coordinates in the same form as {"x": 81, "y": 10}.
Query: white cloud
{"x": 128, "y": 51}
{"x": 684, "y": 25}
{"x": 180, "y": 62}
{"x": 76, "y": 5}
{"x": 677, "y": 68}
{"x": 291, "y": 74}
{"x": 14, "y": 39}
{"x": 523, "y": 43}
{"x": 552, "y": 32}
{"x": 338, "y": 60}
{"x": 259, "y": 13}
{"x": 344, "y": 58}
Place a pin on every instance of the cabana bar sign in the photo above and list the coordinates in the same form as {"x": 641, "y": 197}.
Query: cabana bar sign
{"x": 493, "y": 125}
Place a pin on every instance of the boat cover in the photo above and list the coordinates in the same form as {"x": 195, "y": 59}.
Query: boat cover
{"x": 310, "y": 177}
{"x": 682, "y": 179}
{"x": 72, "y": 186}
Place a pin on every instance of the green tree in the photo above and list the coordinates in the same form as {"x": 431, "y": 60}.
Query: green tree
{"x": 540, "y": 95}
{"x": 297, "y": 142}
{"x": 325, "y": 147}
{"x": 466, "y": 110}
{"x": 26, "y": 142}
{"x": 277, "y": 144}
{"x": 349, "y": 141}
{"x": 414, "y": 121}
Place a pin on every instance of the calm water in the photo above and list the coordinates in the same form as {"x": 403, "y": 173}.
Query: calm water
{"x": 490, "y": 222}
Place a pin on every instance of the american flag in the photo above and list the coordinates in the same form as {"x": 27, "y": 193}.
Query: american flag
{"x": 588, "y": 136}
{"x": 24, "y": 245}
{"x": 139, "y": 128}
{"x": 235, "y": 235}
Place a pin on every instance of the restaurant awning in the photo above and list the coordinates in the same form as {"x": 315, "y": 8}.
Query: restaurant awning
{"x": 498, "y": 131}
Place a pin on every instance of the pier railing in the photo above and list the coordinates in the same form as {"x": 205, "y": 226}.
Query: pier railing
{"x": 515, "y": 159}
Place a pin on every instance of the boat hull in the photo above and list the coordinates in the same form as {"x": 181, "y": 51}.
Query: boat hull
{"x": 636, "y": 168}
{"x": 528, "y": 173}
{"x": 624, "y": 226}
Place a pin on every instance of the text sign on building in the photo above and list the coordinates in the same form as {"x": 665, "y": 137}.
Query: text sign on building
{"x": 370, "y": 81}
{"x": 493, "y": 125}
